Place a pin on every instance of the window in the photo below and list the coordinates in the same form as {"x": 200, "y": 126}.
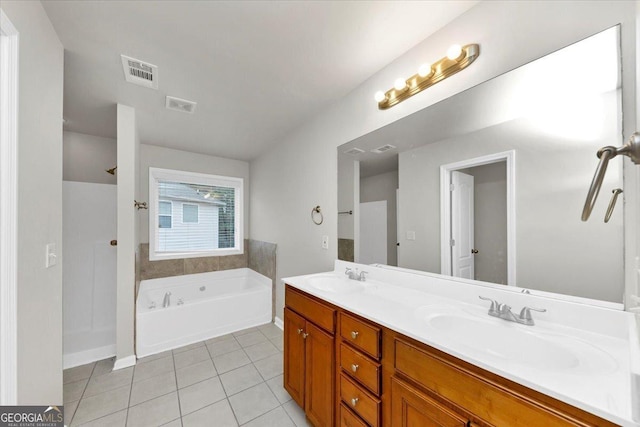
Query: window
{"x": 189, "y": 213}
{"x": 164, "y": 214}
{"x": 207, "y": 220}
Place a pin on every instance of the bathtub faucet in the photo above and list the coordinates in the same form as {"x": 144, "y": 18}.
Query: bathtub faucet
{"x": 166, "y": 302}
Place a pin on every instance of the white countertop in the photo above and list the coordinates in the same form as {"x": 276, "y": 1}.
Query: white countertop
{"x": 396, "y": 299}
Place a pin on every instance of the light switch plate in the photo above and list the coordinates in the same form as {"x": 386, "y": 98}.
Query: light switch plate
{"x": 51, "y": 255}
{"x": 325, "y": 242}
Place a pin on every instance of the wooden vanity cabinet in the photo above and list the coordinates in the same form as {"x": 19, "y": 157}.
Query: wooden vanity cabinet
{"x": 309, "y": 355}
{"x": 347, "y": 371}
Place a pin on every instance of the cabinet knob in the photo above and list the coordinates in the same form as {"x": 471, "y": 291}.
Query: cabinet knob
{"x": 305, "y": 335}
{"x": 354, "y": 401}
{"x": 354, "y": 367}
{"x": 354, "y": 334}
{"x": 299, "y": 331}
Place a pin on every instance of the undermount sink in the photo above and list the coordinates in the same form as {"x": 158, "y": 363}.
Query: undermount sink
{"x": 519, "y": 344}
{"x": 335, "y": 284}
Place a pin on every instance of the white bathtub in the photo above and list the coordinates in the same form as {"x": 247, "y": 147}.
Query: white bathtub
{"x": 203, "y": 306}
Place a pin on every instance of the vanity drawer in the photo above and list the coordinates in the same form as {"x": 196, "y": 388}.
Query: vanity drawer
{"x": 360, "y": 401}
{"x": 360, "y": 367}
{"x": 320, "y": 314}
{"x": 347, "y": 419}
{"x": 361, "y": 335}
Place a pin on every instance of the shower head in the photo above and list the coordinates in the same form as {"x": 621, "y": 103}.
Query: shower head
{"x": 112, "y": 171}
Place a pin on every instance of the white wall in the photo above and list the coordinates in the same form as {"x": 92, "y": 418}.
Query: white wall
{"x": 86, "y": 157}
{"x": 166, "y": 158}
{"x": 301, "y": 171}
{"x": 39, "y": 311}
{"x": 383, "y": 187}
{"x": 128, "y": 234}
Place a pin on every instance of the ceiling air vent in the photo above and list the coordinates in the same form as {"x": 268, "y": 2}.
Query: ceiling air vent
{"x": 383, "y": 148}
{"x": 140, "y": 72}
{"x": 354, "y": 151}
{"x": 182, "y": 105}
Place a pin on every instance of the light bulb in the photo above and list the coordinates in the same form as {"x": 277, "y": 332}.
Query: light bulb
{"x": 424, "y": 70}
{"x": 454, "y": 52}
{"x": 400, "y": 84}
{"x": 380, "y": 96}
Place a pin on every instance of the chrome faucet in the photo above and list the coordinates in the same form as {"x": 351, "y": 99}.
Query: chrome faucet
{"x": 166, "y": 302}
{"x": 503, "y": 311}
{"x": 355, "y": 275}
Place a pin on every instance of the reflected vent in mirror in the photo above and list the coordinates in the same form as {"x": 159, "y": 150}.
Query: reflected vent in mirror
{"x": 383, "y": 149}
{"x": 354, "y": 151}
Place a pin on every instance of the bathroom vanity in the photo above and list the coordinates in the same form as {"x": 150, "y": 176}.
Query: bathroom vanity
{"x": 403, "y": 349}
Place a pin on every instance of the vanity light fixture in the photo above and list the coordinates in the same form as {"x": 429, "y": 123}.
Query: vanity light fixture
{"x": 458, "y": 58}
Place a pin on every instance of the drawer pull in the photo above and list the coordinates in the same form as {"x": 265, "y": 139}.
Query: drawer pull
{"x": 354, "y": 401}
{"x": 354, "y": 367}
{"x": 354, "y": 334}
{"x": 305, "y": 335}
{"x": 299, "y": 331}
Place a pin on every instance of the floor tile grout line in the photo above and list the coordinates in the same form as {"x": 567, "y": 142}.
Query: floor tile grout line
{"x": 83, "y": 391}
{"x": 175, "y": 376}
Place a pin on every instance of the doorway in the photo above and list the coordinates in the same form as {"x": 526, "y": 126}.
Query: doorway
{"x": 478, "y": 218}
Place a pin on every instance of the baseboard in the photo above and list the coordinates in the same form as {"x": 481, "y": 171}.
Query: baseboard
{"x": 279, "y": 323}
{"x": 124, "y": 362}
{"x": 72, "y": 360}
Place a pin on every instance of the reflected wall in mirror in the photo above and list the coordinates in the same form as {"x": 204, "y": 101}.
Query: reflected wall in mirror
{"x": 489, "y": 184}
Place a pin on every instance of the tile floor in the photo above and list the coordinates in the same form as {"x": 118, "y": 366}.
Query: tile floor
{"x": 233, "y": 380}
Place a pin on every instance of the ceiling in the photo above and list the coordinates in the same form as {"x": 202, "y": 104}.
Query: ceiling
{"x": 257, "y": 69}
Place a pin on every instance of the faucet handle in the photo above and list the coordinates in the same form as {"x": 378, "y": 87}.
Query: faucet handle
{"x": 362, "y": 277}
{"x": 347, "y": 271}
{"x": 493, "y": 310}
{"x": 525, "y": 314}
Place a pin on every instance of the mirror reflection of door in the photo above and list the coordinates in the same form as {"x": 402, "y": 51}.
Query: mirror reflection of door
{"x": 462, "y": 224}
{"x": 479, "y": 223}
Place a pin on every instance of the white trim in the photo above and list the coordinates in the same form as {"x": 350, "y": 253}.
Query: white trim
{"x": 72, "y": 360}
{"x": 156, "y": 174}
{"x": 125, "y": 362}
{"x": 445, "y": 208}
{"x": 9, "y": 64}
{"x": 279, "y": 323}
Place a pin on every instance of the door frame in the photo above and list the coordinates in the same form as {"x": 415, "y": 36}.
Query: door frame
{"x": 509, "y": 158}
{"x": 9, "y": 38}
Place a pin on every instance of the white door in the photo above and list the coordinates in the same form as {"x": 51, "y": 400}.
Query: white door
{"x": 373, "y": 232}
{"x": 462, "y": 263}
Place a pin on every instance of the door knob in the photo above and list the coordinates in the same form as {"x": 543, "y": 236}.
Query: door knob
{"x": 474, "y": 251}
{"x": 113, "y": 243}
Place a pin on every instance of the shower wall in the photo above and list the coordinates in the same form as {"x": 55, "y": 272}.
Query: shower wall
{"x": 89, "y": 272}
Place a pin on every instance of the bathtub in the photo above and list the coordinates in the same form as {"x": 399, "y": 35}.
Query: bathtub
{"x": 202, "y": 306}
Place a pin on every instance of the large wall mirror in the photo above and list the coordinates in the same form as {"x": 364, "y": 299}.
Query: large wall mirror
{"x": 489, "y": 184}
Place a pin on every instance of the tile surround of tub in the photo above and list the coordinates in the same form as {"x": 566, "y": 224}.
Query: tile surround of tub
{"x": 262, "y": 259}
{"x": 346, "y": 249}
{"x": 178, "y": 267}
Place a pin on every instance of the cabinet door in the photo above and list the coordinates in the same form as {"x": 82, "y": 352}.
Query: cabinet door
{"x": 294, "y": 357}
{"x": 319, "y": 392}
{"x": 412, "y": 408}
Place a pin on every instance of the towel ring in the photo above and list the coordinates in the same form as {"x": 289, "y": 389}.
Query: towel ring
{"x": 314, "y": 211}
